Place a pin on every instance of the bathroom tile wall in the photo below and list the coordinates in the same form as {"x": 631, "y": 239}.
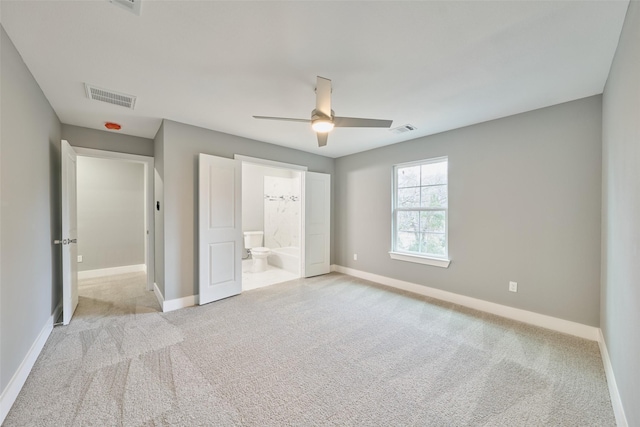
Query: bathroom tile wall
{"x": 281, "y": 212}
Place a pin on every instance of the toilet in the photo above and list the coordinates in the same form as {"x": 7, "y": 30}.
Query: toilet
{"x": 253, "y": 242}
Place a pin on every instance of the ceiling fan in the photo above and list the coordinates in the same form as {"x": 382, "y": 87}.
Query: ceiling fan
{"x": 322, "y": 118}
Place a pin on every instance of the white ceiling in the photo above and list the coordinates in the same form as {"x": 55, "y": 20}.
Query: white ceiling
{"x": 435, "y": 65}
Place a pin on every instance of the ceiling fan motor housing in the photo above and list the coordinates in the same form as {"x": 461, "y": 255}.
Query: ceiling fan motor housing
{"x": 320, "y": 122}
{"x": 316, "y": 115}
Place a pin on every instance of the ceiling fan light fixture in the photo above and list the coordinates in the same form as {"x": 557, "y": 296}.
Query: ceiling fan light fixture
{"x": 323, "y": 120}
{"x": 322, "y": 125}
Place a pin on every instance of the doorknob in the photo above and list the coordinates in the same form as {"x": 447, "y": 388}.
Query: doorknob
{"x": 65, "y": 241}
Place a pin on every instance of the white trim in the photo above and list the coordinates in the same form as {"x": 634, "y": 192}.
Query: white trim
{"x": 156, "y": 291}
{"x": 425, "y": 162}
{"x": 101, "y": 272}
{"x": 271, "y": 163}
{"x": 420, "y": 259}
{"x": 149, "y": 205}
{"x": 616, "y": 402}
{"x": 104, "y": 154}
{"x": 178, "y": 303}
{"x": 10, "y": 393}
{"x": 542, "y": 320}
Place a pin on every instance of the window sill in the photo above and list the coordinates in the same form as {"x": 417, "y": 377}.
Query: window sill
{"x": 420, "y": 259}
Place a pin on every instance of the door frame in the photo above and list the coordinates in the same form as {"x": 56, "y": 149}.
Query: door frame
{"x": 271, "y": 163}
{"x": 294, "y": 167}
{"x": 148, "y": 163}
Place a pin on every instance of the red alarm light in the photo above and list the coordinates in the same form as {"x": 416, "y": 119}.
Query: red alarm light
{"x": 112, "y": 126}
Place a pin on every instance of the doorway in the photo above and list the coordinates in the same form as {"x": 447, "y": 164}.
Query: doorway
{"x": 68, "y": 241}
{"x": 115, "y": 216}
{"x": 271, "y": 225}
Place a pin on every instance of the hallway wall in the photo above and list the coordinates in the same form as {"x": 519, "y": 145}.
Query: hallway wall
{"x": 111, "y": 229}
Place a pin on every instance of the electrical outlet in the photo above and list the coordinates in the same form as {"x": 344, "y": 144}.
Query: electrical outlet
{"x": 79, "y": 258}
{"x": 355, "y": 257}
{"x": 513, "y": 286}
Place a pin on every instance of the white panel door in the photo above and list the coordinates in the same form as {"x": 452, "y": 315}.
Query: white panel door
{"x": 317, "y": 226}
{"x": 219, "y": 228}
{"x": 69, "y": 233}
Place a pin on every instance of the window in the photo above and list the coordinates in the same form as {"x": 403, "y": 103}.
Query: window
{"x": 420, "y": 207}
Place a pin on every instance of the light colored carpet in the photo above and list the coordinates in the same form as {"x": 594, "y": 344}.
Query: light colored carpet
{"x": 331, "y": 350}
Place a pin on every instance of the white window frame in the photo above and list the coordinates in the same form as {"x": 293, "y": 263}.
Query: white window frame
{"x": 411, "y": 256}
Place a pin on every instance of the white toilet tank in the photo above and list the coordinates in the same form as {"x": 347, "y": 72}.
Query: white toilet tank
{"x": 253, "y": 239}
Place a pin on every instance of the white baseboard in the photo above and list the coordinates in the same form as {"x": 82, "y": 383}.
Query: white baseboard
{"x": 616, "y": 402}
{"x": 10, "y": 393}
{"x": 90, "y": 274}
{"x": 544, "y": 321}
{"x": 156, "y": 290}
{"x": 178, "y": 303}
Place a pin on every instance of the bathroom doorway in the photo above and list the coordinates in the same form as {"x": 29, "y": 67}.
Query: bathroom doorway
{"x": 220, "y": 231}
{"x": 271, "y": 223}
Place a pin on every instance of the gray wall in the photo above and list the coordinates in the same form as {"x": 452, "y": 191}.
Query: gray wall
{"x": 182, "y": 144}
{"x": 524, "y": 205}
{"x": 158, "y": 189}
{"x": 30, "y": 275}
{"x": 111, "y": 229}
{"x": 106, "y": 140}
{"x": 620, "y": 308}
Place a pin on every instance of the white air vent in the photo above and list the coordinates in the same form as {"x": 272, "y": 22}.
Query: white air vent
{"x": 403, "y": 129}
{"x": 132, "y": 6}
{"x": 110, "y": 97}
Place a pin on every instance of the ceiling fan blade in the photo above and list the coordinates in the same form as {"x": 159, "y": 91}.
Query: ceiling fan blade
{"x": 323, "y": 96}
{"x": 282, "y": 118}
{"x": 355, "y": 122}
{"x": 322, "y": 138}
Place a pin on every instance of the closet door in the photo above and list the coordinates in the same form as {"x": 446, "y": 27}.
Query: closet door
{"x": 219, "y": 228}
{"x": 317, "y": 227}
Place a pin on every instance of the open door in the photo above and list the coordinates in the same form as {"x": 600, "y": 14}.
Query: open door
{"x": 69, "y": 233}
{"x": 317, "y": 234}
{"x": 219, "y": 228}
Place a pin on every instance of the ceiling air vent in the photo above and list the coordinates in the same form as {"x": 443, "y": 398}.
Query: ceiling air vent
{"x": 110, "y": 97}
{"x": 403, "y": 129}
{"x": 132, "y": 6}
